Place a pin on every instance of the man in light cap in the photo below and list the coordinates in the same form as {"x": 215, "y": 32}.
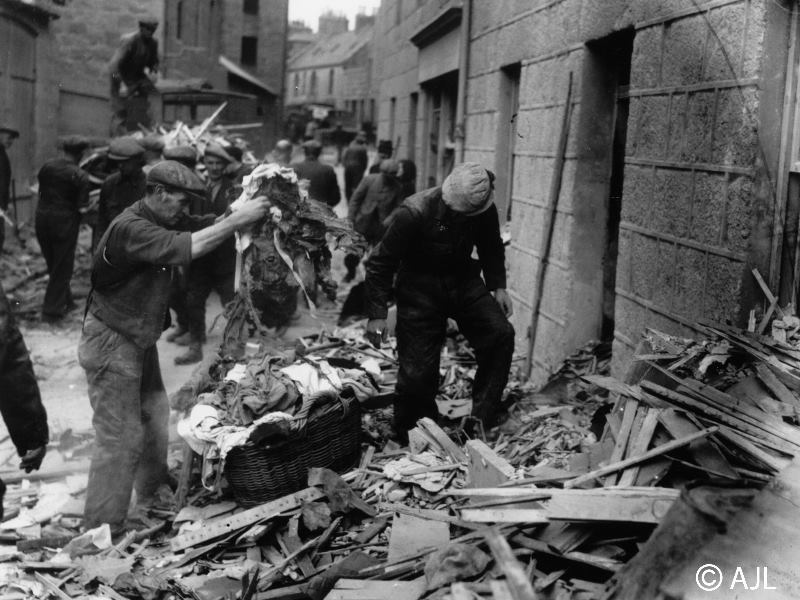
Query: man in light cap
{"x": 7, "y": 137}
{"x": 123, "y": 187}
{"x": 63, "y": 198}
{"x": 125, "y": 315}
{"x": 428, "y": 245}
{"x": 215, "y": 271}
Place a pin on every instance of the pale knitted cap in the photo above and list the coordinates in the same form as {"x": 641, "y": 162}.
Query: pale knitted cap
{"x": 468, "y": 189}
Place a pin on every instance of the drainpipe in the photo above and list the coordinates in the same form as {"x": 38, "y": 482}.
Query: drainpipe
{"x": 463, "y": 66}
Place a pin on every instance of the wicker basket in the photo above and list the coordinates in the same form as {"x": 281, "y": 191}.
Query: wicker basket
{"x": 330, "y": 438}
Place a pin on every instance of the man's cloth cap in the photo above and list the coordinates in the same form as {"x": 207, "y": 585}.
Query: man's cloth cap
{"x": 215, "y": 149}
{"x": 176, "y": 176}
{"x": 5, "y": 129}
{"x": 123, "y": 148}
{"x": 180, "y": 153}
{"x": 389, "y": 166}
{"x": 312, "y": 145}
{"x": 283, "y": 145}
{"x": 149, "y": 23}
{"x": 74, "y": 144}
{"x": 468, "y": 189}
{"x": 152, "y": 142}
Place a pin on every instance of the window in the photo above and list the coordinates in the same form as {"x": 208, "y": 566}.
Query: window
{"x": 179, "y": 21}
{"x": 249, "y": 51}
{"x": 296, "y": 84}
{"x": 398, "y": 15}
{"x": 413, "y": 107}
{"x": 313, "y": 87}
{"x": 392, "y": 114}
{"x": 330, "y": 81}
{"x": 251, "y": 7}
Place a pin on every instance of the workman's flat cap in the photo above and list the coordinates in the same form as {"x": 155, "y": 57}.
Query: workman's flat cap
{"x": 468, "y": 189}
{"x": 385, "y": 147}
{"x": 361, "y": 136}
{"x": 215, "y": 149}
{"x": 236, "y": 153}
{"x": 176, "y": 176}
{"x": 73, "y": 143}
{"x": 183, "y": 154}
{"x": 123, "y": 148}
{"x": 283, "y": 145}
{"x": 149, "y": 23}
{"x": 5, "y": 129}
{"x": 152, "y": 142}
{"x": 389, "y": 166}
{"x": 312, "y": 145}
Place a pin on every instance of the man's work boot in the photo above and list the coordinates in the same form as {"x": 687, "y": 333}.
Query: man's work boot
{"x": 177, "y": 332}
{"x": 194, "y": 354}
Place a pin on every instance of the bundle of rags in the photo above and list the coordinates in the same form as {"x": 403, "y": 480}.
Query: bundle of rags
{"x": 287, "y": 251}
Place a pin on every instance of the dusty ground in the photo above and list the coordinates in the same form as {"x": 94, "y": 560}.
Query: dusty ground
{"x": 54, "y": 348}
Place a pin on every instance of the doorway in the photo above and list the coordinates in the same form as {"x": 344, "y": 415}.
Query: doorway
{"x": 602, "y": 131}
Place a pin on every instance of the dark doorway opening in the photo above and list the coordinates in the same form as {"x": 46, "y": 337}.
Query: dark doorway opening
{"x": 612, "y": 58}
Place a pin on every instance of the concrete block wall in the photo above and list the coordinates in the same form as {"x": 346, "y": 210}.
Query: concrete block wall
{"x": 693, "y": 213}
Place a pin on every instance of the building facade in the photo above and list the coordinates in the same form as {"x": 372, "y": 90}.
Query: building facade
{"x": 335, "y": 71}
{"x": 678, "y": 165}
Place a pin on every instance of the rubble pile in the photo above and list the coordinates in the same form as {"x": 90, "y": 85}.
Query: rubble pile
{"x": 554, "y": 503}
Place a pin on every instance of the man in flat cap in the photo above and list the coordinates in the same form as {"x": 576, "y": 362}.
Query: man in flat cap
{"x": 123, "y": 187}
{"x": 134, "y": 64}
{"x": 63, "y": 197}
{"x": 429, "y": 245}
{"x": 216, "y": 270}
{"x": 126, "y": 313}
{"x": 385, "y": 150}
{"x": 322, "y": 183}
{"x": 7, "y": 137}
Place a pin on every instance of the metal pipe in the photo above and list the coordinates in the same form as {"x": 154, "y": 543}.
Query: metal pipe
{"x": 463, "y": 67}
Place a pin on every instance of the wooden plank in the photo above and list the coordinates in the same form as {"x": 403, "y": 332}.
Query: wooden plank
{"x": 227, "y": 525}
{"x": 618, "y": 466}
{"x": 782, "y": 393}
{"x": 411, "y": 534}
{"x": 361, "y": 589}
{"x": 486, "y": 467}
{"x": 444, "y": 440}
{"x": 518, "y": 582}
{"x": 373, "y": 529}
{"x": 776, "y": 463}
{"x": 530, "y": 516}
{"x": 704, "y": 453}
{"x": 640, "y": 444}
{"x": 751, "y": 390}
{"x": 632, "y": 505}
{"x": 628, "y": 416}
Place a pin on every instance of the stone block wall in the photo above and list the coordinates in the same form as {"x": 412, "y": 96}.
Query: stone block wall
{"x": 695, "y": 217}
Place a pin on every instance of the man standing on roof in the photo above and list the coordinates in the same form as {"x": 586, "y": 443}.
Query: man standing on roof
{"x": 215, "y": 271}
{"x": 429, "y": 245}
{"x": 134, "y": 64}
{"x": 63, "y": 197}
{"x": 126, "y": 313}
{"x": 7, "y": 137}
{"x": 123, "y": 187}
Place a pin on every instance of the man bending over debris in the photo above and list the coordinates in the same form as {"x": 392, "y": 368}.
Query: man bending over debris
{"x": 126, "y": 313}
{"x": 20, "y": 402}
{"x": 429, "y": 245}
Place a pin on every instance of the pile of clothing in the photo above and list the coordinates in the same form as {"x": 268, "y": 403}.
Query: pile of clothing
{"x": 265, "y": 400}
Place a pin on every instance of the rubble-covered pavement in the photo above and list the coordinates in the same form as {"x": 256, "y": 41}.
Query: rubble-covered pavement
{"x": 559, "y": 501}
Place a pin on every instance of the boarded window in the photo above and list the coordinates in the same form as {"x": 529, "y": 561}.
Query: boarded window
{"x": 249, "y": 50}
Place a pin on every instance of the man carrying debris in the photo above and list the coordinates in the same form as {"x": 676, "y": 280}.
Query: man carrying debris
{"x": 216, "y": 271}
{"x": 428, "y": 245}
{"x": 123, "y": 187}
{"x": 322, "y": 183}
{"x": 20, "y": 403}
{"x": 7, "y": 137}
{"x": 63, "y": 197}
{"x": 135, "y": 64}
{"x": 126, "y": 313}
